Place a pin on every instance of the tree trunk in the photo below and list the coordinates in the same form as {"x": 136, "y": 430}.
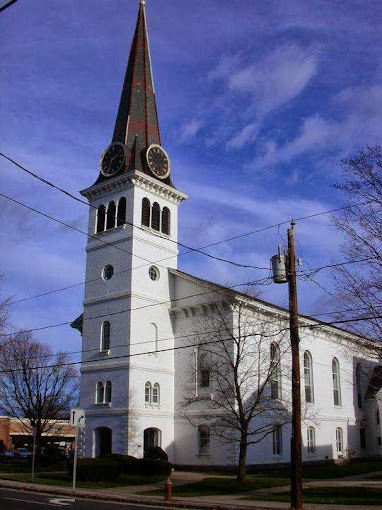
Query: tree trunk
{"x": 241, "y": 475}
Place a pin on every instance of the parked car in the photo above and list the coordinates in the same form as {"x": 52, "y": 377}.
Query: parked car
{"x": 23, "y": 453}
{"x": 6, "y": 454}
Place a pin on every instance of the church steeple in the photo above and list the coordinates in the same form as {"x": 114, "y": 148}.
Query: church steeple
{"x": 137, "y": 114}
{"x": 136, "y": 142}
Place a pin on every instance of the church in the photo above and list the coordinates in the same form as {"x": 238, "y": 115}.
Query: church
{"x": 154, "y": 337}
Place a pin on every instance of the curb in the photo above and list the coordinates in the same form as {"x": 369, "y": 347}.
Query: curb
{"x": 82, "y": 493}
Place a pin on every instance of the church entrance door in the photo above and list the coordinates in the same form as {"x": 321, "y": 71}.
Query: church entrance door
{"x": 103, "y": 441}
{"x": 151, "y": 438}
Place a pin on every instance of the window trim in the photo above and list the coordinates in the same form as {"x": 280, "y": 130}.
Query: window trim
{"x": 311, "y": 440}
{"x": 166, "y": 221}
{"x": 339, "y": 441}
{"x": 277, "y": 441}
{"x": 156, "y": 394}
{"x": 103, "y": 394}
{"x": 148, "y": 392}
{"x": 308, "y": 377}
{"x": 358, "y": 380}
{"x": 105, "y": 340}
{"x": 111, "y": 215}
{"x": 204, "y": 440}
{"x": 337, "y": 400}
{"x": 100, "y": 217}
{"x": 275, "y": 371}
{"x": 121, "y": 209}
{"x": 156, "y": 215}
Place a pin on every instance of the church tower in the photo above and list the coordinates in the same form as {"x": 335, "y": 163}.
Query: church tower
{"x": 127, "y": 383}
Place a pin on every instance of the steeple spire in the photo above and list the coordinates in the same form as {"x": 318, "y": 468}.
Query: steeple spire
{"x": 137, "y": 114}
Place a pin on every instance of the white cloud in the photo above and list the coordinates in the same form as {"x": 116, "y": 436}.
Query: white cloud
{"x": 190, "y": 129}
{"x": 271, "y": 82}
{"x": 360, "y": 109}
{"x": 277, "y": 78}
{"x": 247, "y": 134}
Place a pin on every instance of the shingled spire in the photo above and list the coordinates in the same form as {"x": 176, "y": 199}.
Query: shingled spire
{"x": 136, "y": 125}
{"x": 137, "y": 114}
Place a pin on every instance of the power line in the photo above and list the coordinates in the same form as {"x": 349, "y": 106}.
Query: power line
{"x": 201, "y": 344}
{"x": 124, "y": 221}
{"x": 197, "y": 250}
{"x": 11, "y": 2}
{"x": 97, "y": 349}
{"x": 110, "y": 314}
{"x": 258, "y": 282}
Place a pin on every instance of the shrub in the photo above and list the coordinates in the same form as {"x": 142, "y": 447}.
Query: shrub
{"x": 155, "y": 452}
{"x": 126, "y": 462}
{"x": 153, "y": 467}
{"x": 96, "y": 470}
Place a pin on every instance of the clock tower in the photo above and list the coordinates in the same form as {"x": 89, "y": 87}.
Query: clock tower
{"x": 127, "y": 370}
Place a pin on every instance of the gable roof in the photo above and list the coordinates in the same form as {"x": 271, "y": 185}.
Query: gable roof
{"x": 267, "y": 304}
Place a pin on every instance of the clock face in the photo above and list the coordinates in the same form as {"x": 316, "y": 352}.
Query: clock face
{"x": 112, "y": 159}
{"x": 158, "y": 161}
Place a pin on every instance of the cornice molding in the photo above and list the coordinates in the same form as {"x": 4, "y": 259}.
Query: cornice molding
{"x": 134, "y": 178}
{"x": 113, "y": 185}
{"x": 148, "y": 183}
{"x": 108, "y": 297}
{"x": 102, "y": 366}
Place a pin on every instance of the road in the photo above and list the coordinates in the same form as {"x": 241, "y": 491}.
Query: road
{"x": 22, "y": 500}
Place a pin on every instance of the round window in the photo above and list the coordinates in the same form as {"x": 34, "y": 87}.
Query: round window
{"x": 154, "y": 273}
{"x": 107, "y": 272}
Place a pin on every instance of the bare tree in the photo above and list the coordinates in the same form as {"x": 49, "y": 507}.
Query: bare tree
{"x": 359, "y": 286}
{"x": 3, "y": 311}
{"x": 235, "y": 384}
{"x": 35, "y": 383}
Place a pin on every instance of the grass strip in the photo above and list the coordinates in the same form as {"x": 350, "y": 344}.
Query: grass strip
{"x": 329, "y": 495}
{"x": 63, "y": 480}
{"x": 214, "y": 486}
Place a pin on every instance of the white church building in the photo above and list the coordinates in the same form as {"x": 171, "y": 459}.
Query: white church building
{"x": 149, "y": 331}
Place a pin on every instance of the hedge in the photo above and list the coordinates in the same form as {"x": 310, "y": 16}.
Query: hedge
{"x": 132, "y": 465}
{"x": 96, "y": 470}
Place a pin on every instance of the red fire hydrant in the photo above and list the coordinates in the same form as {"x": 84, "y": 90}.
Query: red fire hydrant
{"x": 168, "y": 489}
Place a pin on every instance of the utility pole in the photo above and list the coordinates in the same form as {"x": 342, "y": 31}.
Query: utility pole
{"x": 284, "y": 270}
{"x": 296, "y": 460}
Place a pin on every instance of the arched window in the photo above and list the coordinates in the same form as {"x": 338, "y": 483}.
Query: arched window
{"x": 108, "y": 392}
{"x": 111, "y": 214}
{"x": 377, "y": 417}
{"x": 154, "y": 336}
{"x": 277, "y": 442}
{"x": 105, "y": 336}
{"x": 100, "y": 223}
{"x": 275, "y": 372}
{"x": 156, "y": 394}
{"x": 148, "y": 392}
{"x": 155, "y": 216}
{"x": 362, "y": 438}
{"x": 99, "y": 393}
{"x": 146, "y": 212}
{"x": 336, "y": 382}
{"x": 339, "y": 440}
{"x": 358, "y": 385}
{"x": 308, "y": 377}
{"x": 205, "y": 369}
{"x": 166, "y": 220}
{"x": 204, "y": 439}
{"x": 121, "y": 212}
{"x": 311, "y": 436}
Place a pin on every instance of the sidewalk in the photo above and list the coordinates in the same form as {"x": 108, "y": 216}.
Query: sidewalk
{"x": 227, "y": 502}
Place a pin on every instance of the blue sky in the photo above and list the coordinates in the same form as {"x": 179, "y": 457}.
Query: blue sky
{"x": 258, "y": 103}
